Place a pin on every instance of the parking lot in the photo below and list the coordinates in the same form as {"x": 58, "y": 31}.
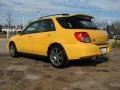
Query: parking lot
{"x": 36, "y": 73}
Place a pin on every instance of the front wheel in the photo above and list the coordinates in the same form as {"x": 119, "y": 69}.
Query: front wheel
{"x": 58, "y": 57}
{"x": 12, "y": 50}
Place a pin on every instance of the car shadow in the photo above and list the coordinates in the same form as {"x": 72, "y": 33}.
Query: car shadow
{"x": 82, "y": 62}
{"x": 89, "y": 62}
{"x": 35, "y": 57}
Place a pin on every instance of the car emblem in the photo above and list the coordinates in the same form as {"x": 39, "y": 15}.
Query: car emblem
{"x": 100, "y": 41}
{"x": 93, "y": 40}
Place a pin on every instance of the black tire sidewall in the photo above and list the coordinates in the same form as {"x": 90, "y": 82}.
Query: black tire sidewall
{"x": 65, "y": 60}
{"x": 15, "y": 50}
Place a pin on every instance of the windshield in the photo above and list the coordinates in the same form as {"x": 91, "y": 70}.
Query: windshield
{"x": 76, "y": 23}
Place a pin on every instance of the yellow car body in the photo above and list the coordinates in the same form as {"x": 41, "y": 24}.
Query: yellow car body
{"x": 39, "y": 42}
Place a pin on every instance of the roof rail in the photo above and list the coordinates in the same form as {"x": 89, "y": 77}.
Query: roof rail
{"x": 64, "y": 14}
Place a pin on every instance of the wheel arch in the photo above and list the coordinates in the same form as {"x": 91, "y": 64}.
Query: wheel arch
{"x": 55, "y": 44}
{"x": 11, "y": 42}
{"x": 65, "y": 61}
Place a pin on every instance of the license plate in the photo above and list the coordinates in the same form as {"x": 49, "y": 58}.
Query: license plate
{"x": 103, "y": 50}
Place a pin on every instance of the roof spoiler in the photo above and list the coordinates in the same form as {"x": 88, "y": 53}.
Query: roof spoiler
{"x": 64, "y": 14}
{"x": 83, "y": 16}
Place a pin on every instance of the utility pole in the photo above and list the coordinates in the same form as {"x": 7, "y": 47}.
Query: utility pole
{"x": 22, "y": 19}
{"x": 9, "y": 20}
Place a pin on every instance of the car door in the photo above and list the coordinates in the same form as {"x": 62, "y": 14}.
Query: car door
{"x": 25, "y": 38}
{"x": 43, "y": 38}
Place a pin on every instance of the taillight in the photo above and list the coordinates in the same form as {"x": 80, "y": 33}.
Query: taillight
{"x": 82, "y": 37}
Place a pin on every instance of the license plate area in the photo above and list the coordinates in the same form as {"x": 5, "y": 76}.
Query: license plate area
{"x": 103, "y": 50}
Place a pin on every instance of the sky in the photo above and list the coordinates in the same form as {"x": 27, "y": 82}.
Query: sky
{"x": 24, "y": 11}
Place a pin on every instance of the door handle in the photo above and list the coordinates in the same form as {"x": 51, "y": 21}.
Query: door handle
{"x": 49, "y": 35}
{"x": 29, "y": 36}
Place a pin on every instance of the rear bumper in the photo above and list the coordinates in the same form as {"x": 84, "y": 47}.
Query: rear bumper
{"x": 77, "y": 51}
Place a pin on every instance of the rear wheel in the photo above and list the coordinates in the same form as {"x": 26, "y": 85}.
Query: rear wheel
{"x": 58, "y": 57}
{"x": 12, "y": 50}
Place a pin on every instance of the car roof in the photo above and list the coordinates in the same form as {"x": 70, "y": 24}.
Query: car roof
{"x": 64, "y": 15}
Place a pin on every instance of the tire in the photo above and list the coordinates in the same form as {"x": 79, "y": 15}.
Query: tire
{"x": 58, "y": 57}
{"x": 12, "y": 50}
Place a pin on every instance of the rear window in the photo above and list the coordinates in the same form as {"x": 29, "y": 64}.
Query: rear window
{"x": 76, "y": 23}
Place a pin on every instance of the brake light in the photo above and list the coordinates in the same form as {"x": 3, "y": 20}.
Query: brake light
{"x": 82, "y": 37}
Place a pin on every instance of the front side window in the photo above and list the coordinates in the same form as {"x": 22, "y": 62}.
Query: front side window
{"x": 32, "y": 28}
{"x": 76, "y": 23}
{"x": 46, "y": 25}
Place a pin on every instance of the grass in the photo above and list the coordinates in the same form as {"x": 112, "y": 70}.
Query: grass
{"x": 116, "y": 43}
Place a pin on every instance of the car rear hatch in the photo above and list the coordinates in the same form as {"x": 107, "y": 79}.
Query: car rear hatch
{"x": 83, "y": 23}
{"x": 97, "y": 36}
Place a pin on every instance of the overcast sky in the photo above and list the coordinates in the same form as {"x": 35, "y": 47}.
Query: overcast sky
{"x": 103, "y": 9}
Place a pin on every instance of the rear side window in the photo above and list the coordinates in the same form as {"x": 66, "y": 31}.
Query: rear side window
{"x": 46, "y": 25}
{"x": 76, "y": 23}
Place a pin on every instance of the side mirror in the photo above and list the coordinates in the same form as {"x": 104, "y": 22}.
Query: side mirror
{"x": 19, "y": 32}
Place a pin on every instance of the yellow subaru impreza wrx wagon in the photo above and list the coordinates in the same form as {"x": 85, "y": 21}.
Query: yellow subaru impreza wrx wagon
{"x": 61, "y": 37}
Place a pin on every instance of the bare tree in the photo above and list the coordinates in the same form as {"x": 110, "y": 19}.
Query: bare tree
{"x": 100, "y": 23}
{"x": 9, "y": 17}
{"x": 116, "y": 27}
